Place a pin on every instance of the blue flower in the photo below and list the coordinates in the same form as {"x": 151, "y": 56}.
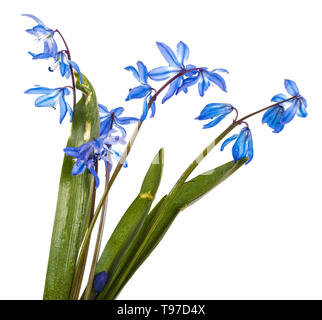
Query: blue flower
{"x": 273, "y": 118}
{"x": 243, "y": 147}
{"x": 204, "y": 78}
{"x": 61, "y": 60}
{"x": 296, "y": 106}
{"x": 142, "y": 91}
{"x": 45, "y": 36}
{"x": 109, "y": 119}
{"x": 177, "y": 64}
{"x": 97, "y": 149}
{"x": 85, "y": 158}
{"x": 52, "y": 97}
{"x": 215, "y": 110}
{"x": 99, "y": 281}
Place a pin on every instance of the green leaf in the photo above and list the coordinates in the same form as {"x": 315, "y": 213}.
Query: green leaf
{"x": 115, "y": 251}
{"x": 74, "y": 200}
{"x": 162, "y": 216}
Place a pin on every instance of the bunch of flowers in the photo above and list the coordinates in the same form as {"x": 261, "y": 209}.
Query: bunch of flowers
{"x": 139, "y": 232}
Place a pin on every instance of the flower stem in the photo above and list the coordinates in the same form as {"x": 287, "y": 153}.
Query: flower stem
{"x": 70, "y": 67}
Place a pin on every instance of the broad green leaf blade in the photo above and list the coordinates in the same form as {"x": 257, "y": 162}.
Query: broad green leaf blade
{"x": 113, "y": 254}
{"x": 74, "y": 200}
{"x": 159, "y": 220}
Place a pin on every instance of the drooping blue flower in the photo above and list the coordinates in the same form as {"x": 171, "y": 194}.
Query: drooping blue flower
{"x": 216, "y": 111}
{"x": 243, "y": 147}
{"x": 92, "y": 151}
{"x": 52, "y": 97}
{"x": 61, "y": 60}
{"x": 177, "y": 64}
{"x": 273, "y": 118}
{"x": 142, "y": 91}
{"x": 297, "y": 106}
{"x": 99, "y": 281}
{"x": 109, "y": 119}
{"x": 204, "y": 78}
{"x": 45, "y": 36}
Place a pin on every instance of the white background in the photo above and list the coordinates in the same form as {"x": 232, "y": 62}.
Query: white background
{"x": 259, "y": 234}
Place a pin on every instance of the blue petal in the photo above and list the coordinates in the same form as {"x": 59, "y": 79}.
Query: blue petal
{"x": 240, "y": 147}
{"x": 290, "y": 112}
{"x": 63, "y": 108}
{"x": 276, "y": 120}
{"x": 227, "y": 141}
{"x": 94, "y": 173}
{"x": 143, "y": 72}
{"x": 127, "y": 120}
{"x": 250, "y": 150}
{"x": 79, "y": 167}
{"x": 138, "y": 92}
{"x": 36, "y": 56}
{"x": 40, "y": 90}
{"x": 63, "y": 66}
{"x": 40, "y": 30}
{"x": 162, "y": 73}
{"x": 153, "y": 109}
{"x": 105, "y": 125}
{"x": 279, "y": 97}
{"x": 268, "y": 115}
{"x": 304, "y": 101}
{"x": 117, "y": 111}
{"x": 168, "y": 54}
{"x": 50, "y": 47}
{"x": 102, "y": 109}
{"x": 172, "y": 89}
{"x": 278, "y": 128}
{"x": 188, "y": 82}
{"x": 216, "y": 79}
{"x": 76, "y": 68}
{"x": 214, "y": 109}
{"x": 203, "y": 84}
{"x": 145, "y": 110}
{"x": 291, "y": 87}
{"x": 48, "y": 100}
{"x": 72, "y": 152}
{"x": 301, "y": 112}
{"x": 34, "y": 18}
{"x": 214, "y": 122}
{"x": 134, "y": 71}
{"x": 182, "y": 53}
{"x": 220, "y": 70}
{"x": 123, "y": 131}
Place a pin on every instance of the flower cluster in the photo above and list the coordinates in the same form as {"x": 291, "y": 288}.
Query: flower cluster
{"x": 179, "y": 74}
{"x": 102, "y": 148}
{"x": 97, "y": 149}
{"x": 52, "y": 97}
{"x": 111, "y": 122}
{"x": 277, "y": 116}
